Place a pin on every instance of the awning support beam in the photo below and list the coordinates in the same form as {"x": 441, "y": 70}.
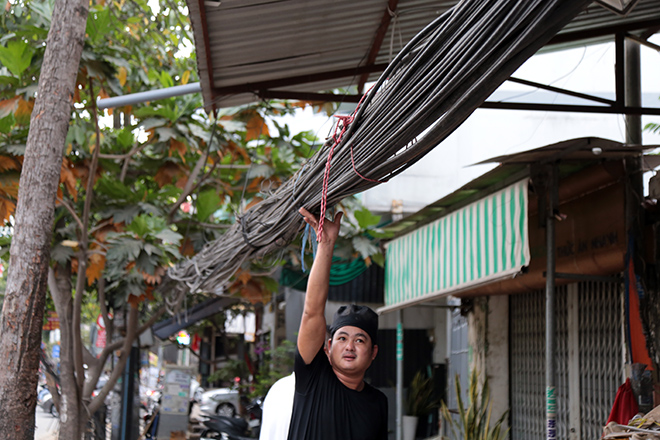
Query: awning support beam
{"x": 399, "y": 374}
{"x": 552, "y": 194}
{"x": 583, "y": 277}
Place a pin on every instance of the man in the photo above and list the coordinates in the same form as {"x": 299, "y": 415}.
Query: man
{"x": 332, "y": 401}
{"x": 277, "y": 408}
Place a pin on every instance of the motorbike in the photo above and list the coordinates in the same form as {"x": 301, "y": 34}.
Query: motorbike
{"x": 234, "y": 428}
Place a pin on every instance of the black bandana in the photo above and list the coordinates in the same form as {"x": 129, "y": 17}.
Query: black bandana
{"x": 357, "y": 316}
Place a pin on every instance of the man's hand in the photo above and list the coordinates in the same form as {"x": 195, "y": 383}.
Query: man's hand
{"x": 330, "y": 228}
{"x": 312, "y": 326}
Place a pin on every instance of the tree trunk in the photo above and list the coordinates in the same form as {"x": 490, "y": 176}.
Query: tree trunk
{"x": 22, "y": 314}
{"x": 71, "y": 416}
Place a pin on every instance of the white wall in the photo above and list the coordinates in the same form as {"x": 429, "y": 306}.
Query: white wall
{"x": 488, "y": 340}
{"x": 490, "y": 133}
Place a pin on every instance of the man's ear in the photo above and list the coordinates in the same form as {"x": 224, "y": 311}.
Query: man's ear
{"x": 374, "y": 352}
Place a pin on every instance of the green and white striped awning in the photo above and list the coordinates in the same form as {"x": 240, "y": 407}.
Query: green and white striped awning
{"x": 482, "y": 242}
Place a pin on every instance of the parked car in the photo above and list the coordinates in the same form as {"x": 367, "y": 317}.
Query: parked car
{"x": 222, "y": 401}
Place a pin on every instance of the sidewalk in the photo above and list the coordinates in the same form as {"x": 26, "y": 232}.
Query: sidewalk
{"x": 46, "y": 426}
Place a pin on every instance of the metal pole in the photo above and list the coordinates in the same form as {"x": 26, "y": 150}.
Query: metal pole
{"x": 633, "y": 90}
{"x": 399, "y": 374}
{"x": 550, "y": 323}
{"x": 151, "y": 95}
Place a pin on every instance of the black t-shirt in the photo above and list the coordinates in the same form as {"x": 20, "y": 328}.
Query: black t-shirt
{"x": 326, "y": 409}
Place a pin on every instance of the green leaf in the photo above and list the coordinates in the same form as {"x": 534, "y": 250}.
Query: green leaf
{"x": 147, "y": 263}
{"x": 366, "y": 219}
{"x": 9, "y": 81}
{"x": 166, "y": 79}
{"x": 125, "y": 214}
{"x": 139, "y": 225}
{"x": 15, "y": 149}
{"x": 150, "y": 123}
{"x": 17, "y": 56}
{"x": 167, "y": 236}
{"x": 379, "y": 259}
{"x": 364, "y": 246}
{"x": 207, "y": 203}
{"x": 150, "y": 249}
{"x": 125, "y": 138}
{"x": 7, "y": 123}
{"x": 113, "y": 188}
{"x": 261, "y": 170}
{"x": 125, "y": 249}
{"x": 270, "y": 284}
{"x": 166, "y": 133}
{"x": 98, "y": 24}
{"x": 61, "y": 254}
{"x": 379, "y": 233}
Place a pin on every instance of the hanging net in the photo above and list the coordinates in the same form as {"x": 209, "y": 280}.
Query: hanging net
{"x": 437, "y": 80}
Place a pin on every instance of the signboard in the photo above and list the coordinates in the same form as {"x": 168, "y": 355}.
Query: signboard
{"x": 176, "y": 392}
{"x": 101, "y": 338}
{"x": 100, "y": 322}
{"x": 56, "y": 351}
{"x": 174, "y": 402}
{"x": 101, "y": 335}
{"x": 52, "y": 321}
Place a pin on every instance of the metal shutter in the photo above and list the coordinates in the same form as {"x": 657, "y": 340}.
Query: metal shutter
{"x": 601, "y": 353}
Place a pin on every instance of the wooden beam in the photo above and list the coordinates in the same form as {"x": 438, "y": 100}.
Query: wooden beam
{"x": 305, "y": 96}
{"x": 378, "y": 40}
{"x": 296, "y": 80}
{"x": 207, "y": 49}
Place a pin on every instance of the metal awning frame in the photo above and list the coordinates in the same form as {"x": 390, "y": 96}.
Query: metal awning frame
{"x": 606, "y": 106}
{"x": 265, "y": 90}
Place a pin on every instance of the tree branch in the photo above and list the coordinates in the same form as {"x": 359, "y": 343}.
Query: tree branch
{"x": 71, "y": 211}
{"x": 100, "y": 226}
{"x": 136, "y": 149}
{"x": 187, "y": 190}
{"x": 119, "y": 368}
{"x": 82, "y": 258}
{"x": 204, "y": 225}
{"x": 115, "y": 345}
{"x": 109, "y": 322}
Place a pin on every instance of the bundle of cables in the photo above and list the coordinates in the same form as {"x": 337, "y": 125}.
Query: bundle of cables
{"x": 437, "y": 80}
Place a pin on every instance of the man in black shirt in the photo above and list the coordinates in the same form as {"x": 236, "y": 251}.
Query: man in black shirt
{"x": 332, "y": 401}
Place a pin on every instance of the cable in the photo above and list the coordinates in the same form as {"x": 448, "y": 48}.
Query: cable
{"x": 431, "y": 86}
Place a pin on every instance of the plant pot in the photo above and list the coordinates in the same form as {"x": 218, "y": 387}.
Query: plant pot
{"x": 409, "y": 427}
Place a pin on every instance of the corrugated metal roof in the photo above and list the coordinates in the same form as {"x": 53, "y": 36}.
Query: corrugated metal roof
{"x": 313, "y": 45}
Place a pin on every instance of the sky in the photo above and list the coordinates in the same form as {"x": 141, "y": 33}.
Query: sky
{"x": 489, "y": 133}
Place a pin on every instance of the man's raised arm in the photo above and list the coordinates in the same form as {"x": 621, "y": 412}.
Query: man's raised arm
{"x": 312, "y": 326}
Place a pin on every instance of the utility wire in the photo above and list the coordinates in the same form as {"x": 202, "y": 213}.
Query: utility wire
{"x": 433, "y": 84}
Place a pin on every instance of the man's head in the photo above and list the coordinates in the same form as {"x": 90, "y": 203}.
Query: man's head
{"x": 352, "y": 344}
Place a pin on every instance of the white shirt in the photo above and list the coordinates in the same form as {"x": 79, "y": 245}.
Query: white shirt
{"x": 277, "y": 409}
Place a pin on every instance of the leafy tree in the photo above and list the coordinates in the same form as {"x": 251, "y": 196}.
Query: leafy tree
{"x": 20, "y": 326}
{"x": 139, "y": 187}
{"x": 653, "y": 127}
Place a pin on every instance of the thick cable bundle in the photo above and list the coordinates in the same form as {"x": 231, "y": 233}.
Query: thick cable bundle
{"x": 427, "y": 91}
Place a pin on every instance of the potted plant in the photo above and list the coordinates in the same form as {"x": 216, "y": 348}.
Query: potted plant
{"x": 420, "y": 403}
{"x": 473, "y": 418}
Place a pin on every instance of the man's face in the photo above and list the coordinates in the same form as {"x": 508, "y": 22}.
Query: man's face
{"x": 350, "y": 350}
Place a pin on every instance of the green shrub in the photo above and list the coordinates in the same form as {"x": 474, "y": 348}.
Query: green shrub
{"x": 473, "y": 421}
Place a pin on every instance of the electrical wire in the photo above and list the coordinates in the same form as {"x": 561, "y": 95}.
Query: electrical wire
{"x": 431, "y": 86}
